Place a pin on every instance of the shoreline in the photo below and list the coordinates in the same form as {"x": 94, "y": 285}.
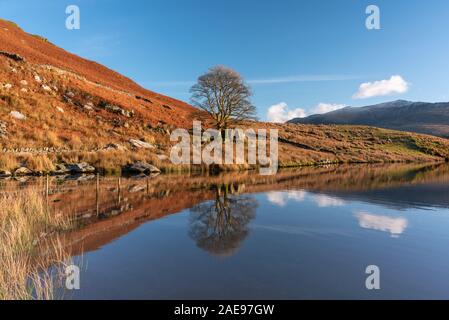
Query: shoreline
{"x": 195, "y": 169}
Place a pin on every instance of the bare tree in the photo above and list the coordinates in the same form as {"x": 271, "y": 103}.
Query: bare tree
{"x": 223, "y": 94}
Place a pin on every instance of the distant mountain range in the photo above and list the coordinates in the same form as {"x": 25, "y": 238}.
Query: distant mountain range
{"x": 421, "y": 117}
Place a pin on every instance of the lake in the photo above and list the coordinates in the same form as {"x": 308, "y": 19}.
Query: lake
{"x": 301, "y": 234}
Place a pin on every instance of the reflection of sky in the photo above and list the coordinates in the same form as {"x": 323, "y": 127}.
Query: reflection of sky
{"x": 395, "y": 226}
{"x": 280, "y": 198}
{"x": 299, "y": 245}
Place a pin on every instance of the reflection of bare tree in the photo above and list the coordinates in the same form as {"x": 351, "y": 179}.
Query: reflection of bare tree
{"x": 220, "y": 226}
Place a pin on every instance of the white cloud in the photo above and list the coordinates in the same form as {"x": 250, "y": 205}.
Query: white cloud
{"x": 327, "y": 107}
{"x": 280, "y": 113}
{"x": 396, "y": 84}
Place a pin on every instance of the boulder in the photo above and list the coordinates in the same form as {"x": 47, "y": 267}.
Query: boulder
{"x": 116, "y": 109}
{"x": 13, "y": 56}
{"x": 22, "y": 171}
{"x": 141, "y": 144}
{"x": 61, "y": 169}
{"x": 5, "y": 173}
{"x": 88, "y": 106}
{"x": 80, "y": 168}
{"x": 17, "y": 115}
{"x": 162, "y": 157}
{"x": 141, "y": 167}
{"x": 114, "y": 146}
{"x": 3, "y": 130}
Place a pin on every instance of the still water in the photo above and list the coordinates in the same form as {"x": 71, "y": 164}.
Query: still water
{"x": 301, "y": 234}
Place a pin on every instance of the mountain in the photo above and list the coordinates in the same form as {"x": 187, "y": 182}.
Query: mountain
{"x": 421, "y": 117}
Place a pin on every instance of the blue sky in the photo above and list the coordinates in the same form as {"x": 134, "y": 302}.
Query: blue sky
{"x": 300, "y": 53}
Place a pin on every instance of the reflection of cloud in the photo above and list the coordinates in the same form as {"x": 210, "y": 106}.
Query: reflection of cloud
{"x": 324, "y": 201}
{"x": 396, "y": 226}
{"x": 281, "y": 198}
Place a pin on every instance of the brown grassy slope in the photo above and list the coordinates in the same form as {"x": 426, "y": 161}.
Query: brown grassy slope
{"x": 315, "y": 143}
{"x": 39, "y": 51}
{"x": 60, "y": 128}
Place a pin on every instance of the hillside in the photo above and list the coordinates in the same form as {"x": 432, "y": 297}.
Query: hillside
{"x": 57, "y": 108}
{"x": 421, "y": 117}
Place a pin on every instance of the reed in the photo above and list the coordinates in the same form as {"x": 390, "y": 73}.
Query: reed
{"x": 27, "y": 251}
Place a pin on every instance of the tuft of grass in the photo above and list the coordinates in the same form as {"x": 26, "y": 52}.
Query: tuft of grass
{"x": 8, "y": 162}
{"x": 25, "y": 254}
{"x": 39, "y": 163}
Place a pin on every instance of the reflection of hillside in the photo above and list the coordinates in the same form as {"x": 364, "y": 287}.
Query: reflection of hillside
{"x": 114, "y": 211}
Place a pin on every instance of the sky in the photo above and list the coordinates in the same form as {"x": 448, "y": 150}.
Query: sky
{"x": 300, "y": 57}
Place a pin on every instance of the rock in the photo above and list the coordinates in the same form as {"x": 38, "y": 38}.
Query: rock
{"x": 5, "y": 173}
{"x": 88, "y": 106}
{"x": 114, "y": 146}
{"x": 24, "y": 82}
{"x": 116, "y": 109}
{"x": 61, "y": 169}
{"x": 13, "y": 56}
{"x": 37, "y": 78}
{"x": 142, "y": 167}
{"x": 7, "y": 86}
{"x": 17, "y": 115}
{"x": 24, "y": 90}
{"x": 22, "y": 171}
{"x": 46, "y": 88}
{"x": 162, "y": 157}
{"x": 141, "y": 144}
{"x": 3, "y": 130}
{"x": 60, "y": 109}
{"x": 80, "y": 168}
{"x": 70, "y": 94}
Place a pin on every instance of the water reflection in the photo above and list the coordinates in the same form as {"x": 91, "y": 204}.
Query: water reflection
{"x": 221, "y": 225}
{"x": 395, "y": 226}
{"x": 280, "y": 234}
{"x": 281, "y": 199}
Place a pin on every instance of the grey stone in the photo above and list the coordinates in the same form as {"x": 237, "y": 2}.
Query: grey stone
{"x": 22, "y": 171}
{"x": 142, "y": 167}
{"x": 80, "y": 168}
{"x": 141, "y": 144}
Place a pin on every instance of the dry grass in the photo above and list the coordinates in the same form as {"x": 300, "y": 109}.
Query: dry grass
{"x": 8, "y": 162}
{"x": 25, "y": 251}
